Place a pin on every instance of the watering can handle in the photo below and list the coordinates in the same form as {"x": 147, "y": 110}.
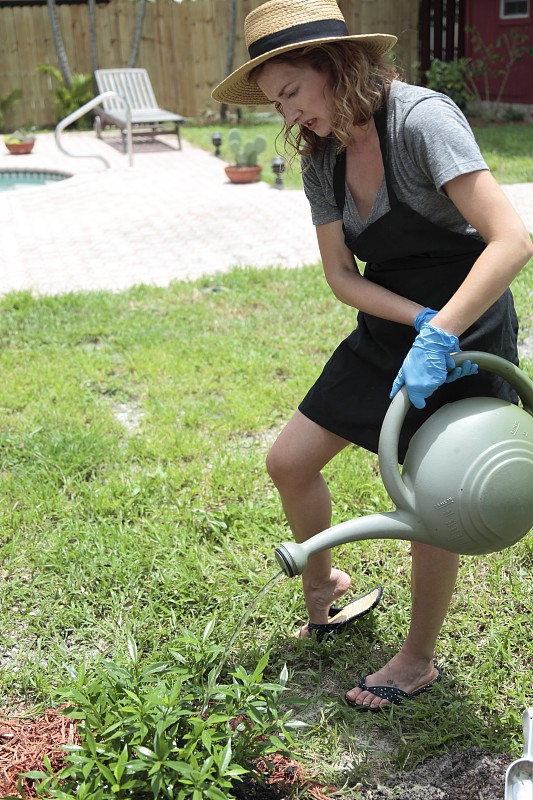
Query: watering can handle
{"x": 397, "y": 411}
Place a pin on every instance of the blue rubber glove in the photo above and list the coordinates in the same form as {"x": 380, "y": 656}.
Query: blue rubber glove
{"x": 429, "y": 364}
{"x": 425, "y": 316}
{"x": 466, "y": 368}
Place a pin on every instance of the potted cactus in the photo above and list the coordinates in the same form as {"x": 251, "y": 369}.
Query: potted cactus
{"x": 245, "y": 169}
{"x": 20, "y": 142}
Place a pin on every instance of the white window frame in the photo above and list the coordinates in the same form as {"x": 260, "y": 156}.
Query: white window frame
{"x": 525, "y": 15}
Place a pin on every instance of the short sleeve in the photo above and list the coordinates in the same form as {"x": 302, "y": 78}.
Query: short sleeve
{"x": 317, "y": 173}
{"x": 440, "y": 141}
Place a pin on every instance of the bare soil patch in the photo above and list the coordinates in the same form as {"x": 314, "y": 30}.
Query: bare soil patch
{"x": 469, "y": 775}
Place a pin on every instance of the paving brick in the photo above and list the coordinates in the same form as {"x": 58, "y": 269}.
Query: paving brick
{"x": 172, "y": 216}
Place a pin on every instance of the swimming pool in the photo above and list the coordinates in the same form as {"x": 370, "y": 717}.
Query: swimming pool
{"x": 13, "y": 179}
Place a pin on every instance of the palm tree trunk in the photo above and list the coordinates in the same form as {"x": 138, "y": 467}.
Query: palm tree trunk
{"x": 91, "y": 7}
{"x": 230, "y": 52}
{"x": 58, "y": 43}
{"x": 137, "y": 37}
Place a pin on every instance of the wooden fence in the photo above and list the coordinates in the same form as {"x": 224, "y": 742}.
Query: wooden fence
{"x": 183, "y": 47}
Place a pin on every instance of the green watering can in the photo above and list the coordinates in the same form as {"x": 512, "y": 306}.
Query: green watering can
{"x": 467, "y": 480}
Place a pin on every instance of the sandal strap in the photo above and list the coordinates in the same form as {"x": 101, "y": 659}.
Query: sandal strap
{"x": 395, "y": 695}
{"x": 390, "y": 693}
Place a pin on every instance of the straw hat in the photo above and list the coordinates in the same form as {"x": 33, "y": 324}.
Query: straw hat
{"x": 282, "y": 25}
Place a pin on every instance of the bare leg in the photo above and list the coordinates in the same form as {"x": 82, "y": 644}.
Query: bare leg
{"x": 294, "y": 463}
{"x": 434, "y": 572}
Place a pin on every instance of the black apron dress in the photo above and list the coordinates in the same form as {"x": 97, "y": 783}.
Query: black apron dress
{"x": 417, "y": 259}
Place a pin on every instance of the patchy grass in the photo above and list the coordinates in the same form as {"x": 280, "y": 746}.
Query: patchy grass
{"x": 133, "y": 431}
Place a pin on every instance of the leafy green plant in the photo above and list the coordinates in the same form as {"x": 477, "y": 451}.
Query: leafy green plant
{"x": 245, "y": 154}
{"x": 7, "y": 102}
{"x": 20, "y": 136}
{"x": 495, "y": 60}
{"x": 449, "y": 77}
{"x": 167, "y": 729}
{"x": 67, "y": 99}
{"x": 468, "y": 80}
{"x": 513, "y": 114}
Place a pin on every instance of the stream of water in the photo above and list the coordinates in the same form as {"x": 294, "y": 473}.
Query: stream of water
{"x": 214, "y": 676}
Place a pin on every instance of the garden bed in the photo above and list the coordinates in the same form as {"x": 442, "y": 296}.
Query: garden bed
{"x": 24, "y": 743}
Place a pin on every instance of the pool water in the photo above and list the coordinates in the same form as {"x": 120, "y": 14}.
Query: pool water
{"x": 13, "y": 179}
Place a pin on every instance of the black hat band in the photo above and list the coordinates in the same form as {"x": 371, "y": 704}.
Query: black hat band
{"x": 307, "y": 31}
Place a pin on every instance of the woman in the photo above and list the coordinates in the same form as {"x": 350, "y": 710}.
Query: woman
{"x": 393, "y": 176}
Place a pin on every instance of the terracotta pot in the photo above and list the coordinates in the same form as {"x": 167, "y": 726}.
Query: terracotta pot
{"x": 20, "y": 148}
{"x": 243, "y": 174}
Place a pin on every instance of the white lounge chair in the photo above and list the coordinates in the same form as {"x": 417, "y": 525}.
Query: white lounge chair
{"x": 135, "y": 87}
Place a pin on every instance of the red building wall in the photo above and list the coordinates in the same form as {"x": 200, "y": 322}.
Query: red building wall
{"x": 483, "y": 16}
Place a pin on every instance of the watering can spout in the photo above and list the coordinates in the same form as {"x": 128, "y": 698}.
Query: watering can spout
{"x": 467, "y": 479}
{"x": 292, "y": 557}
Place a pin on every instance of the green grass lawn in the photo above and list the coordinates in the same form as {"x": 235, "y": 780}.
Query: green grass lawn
{"x": 135, "y": 502}
{"x": 506, "y": 147}
{"x": 507, "y": 150}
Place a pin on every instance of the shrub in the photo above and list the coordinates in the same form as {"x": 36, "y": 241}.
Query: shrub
{"x": 512, "y": 114}
{"x": 496, "y": 61}
{"x": 69, "y": 99}
{"x": 7, "y": 102}
{"x": 450, "y": 77}
{"x": 166, "y": 730}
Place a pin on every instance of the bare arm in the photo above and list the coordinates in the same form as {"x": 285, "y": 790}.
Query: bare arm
{"x": 349, "y": 286}
{"x": 486, "y": 207}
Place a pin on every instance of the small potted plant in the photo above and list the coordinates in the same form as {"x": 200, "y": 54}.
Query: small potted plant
{"x": 20, "y": 142}
{"x": 245, "y": 169}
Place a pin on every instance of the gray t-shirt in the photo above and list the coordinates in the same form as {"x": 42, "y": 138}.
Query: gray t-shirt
{"x": 430, "y": 143}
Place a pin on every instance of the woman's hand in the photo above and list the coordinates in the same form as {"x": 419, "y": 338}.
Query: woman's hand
{"x": 429, "y": 364}
{"x": 484, "y": 205}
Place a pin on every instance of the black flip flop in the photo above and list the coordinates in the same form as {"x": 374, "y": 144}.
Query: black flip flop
{"x": 340, "y": 618}
{"x": 394, "y": 695}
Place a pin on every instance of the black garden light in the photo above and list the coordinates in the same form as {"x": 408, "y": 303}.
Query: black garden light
{"x": 278, "y": 167}
{"x": 216, "y": 138}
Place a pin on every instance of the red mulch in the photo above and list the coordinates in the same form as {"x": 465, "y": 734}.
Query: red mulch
{"x": 24, "y": 742}
{"x": 288, "y": 774}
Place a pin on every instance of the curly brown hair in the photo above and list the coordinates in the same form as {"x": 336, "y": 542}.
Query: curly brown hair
{"x": 359, "y": 80}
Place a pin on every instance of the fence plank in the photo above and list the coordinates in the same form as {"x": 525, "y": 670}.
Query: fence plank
{"x": 9, "y": 56}
{"x": 183, "y": 46}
